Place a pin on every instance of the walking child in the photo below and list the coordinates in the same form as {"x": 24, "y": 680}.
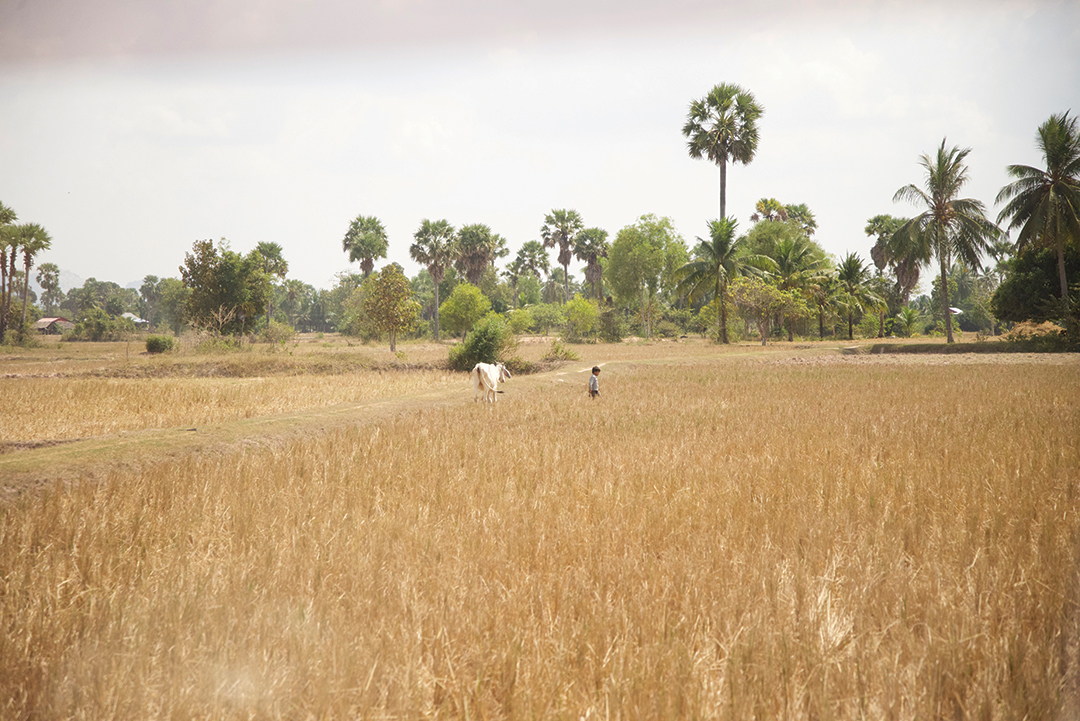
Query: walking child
{"x": 594, "y": 382}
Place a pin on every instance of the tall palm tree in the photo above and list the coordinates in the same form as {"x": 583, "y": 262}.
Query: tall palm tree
{"x": 590, "y": 245}
{"x": 274, "y": 264}
{"x": 824, "y": 291}
{"x": 34, "y": 239}
{"x": 559, "y": 229}
{"x": 48, "y": 277}
{"x": 854, "y": 279}
{"x": 722, "y": 126}
{"x": 902, "y": 252}
{"x": 365, "y": 241}
{"x": 1045, "y": 204}
{"x": 717, "y": 261}
{"x": 8, "y": 249}
{"x": 477, "y": 248}
{"x": 435, "y": 247}
{"x": 950, "y": 226}
{"x": 534, "y": 258}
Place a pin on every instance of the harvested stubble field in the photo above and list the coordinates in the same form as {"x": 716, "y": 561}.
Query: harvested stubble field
{"x": 724, "y": 534}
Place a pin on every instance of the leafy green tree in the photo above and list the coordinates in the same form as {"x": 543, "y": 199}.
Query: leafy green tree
{"x": 560, "y": 230}
{"x": 582, "y": 317}
{"x": 717, "y": 261}
{"x": 643, "y": 260}
{"x": 590, "y": 245}
{"x": 855, "y": 292}
{"x": 763, "y": 301}
{"x": 434, "y": 247}
{"x": 1045, "y": 204}
{"x": 548, "y": 316}
{"x": 1029, "y": 290}
{"x": 950, "y": 227}
{"x": 824, "y": 292}
{"x": 365, "y": 241}
{"x": 465, "y": 306}
{"x": 229, "y": 292}
{"x": 722, "y": 126}
{"x": 389, "y": 305}
{"x": 520, "y": 320}
{"x": 477, "y": 248}
{"x": 336, "y": 300}
{"x": 173, "y": 303}
{"x": 48, "y": 277}
{"x": 529, "y": 291}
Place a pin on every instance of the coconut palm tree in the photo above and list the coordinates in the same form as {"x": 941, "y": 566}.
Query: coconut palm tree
{"x": 950, "y": 226}
{"x": 798, "y": 266}
{"x": 590, "y": 245}
{"x": 854, "y": 279}
{"x": 365, "y": 241}
{"x": 824, "y": 291}
{"x": 717, "y": 261}
{"x": 722, "y": 126}
{"x": 1045, "y": 204}
{"x": 559, "y": 230}
{"x": 434, "y": 247}
{"x": 33, "y": 240}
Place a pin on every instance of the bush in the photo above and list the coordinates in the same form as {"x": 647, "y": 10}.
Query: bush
{"x": 612, "y": 325}
{"x": 158, "y": 344}
{"x": 521, "y": 321}
{"x": 490, "y": 341}
{"x": 560, "y": 352}
{"x": 277, "y": 332}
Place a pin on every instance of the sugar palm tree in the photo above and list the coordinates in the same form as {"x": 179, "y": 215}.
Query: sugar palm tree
{"x": 477, "y": 249}
{"x": 1045, "y": 204}
{"x": 854, "y": 279}
{"x": 590, "y": 245}
{"x": 273, "y": 263}
{"x": 717, "y": 261}
{"x": 534, "y": 258}
{"x": 434, "y": 247}
{"x": 950, "y": 226}
{"x": 365, "y": 241}
{"x": 33, "y": 240}
{"x": 722, "y": 126}
{"x": 559, "y": 230}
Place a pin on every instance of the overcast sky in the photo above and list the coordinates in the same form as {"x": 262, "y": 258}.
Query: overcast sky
{"x": 130, "y": 129}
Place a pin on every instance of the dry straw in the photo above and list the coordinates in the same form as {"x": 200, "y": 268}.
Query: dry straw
{"x": 721, "y": 539}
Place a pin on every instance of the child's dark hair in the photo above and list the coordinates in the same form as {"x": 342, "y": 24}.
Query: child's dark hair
{"x": 596, "y": 369}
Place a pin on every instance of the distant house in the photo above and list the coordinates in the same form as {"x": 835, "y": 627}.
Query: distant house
{"x": 139, "y": 322}
{"x": 53, "y": 326}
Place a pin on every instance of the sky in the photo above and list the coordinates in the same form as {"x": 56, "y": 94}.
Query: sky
{"x": 131, "y": 129}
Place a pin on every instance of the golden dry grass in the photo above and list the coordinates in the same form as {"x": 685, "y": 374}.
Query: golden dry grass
{"x": 728, "y": 538}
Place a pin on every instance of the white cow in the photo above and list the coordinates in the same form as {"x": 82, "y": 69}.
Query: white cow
{"x": 488, "y": 377}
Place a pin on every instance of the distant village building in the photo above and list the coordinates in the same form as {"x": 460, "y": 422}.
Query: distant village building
{"x": 53, "y": 326}
{"x": 139, "y": 322}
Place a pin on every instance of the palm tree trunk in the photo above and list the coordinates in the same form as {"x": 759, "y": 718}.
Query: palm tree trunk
{"x": 25, "y": 292}
{"x": 723, "y": 189}
{"x": 945, "y": 300}
{"x": 850, "y": 326}
{"x": 821, "y": 322}
{"x": 436, "y": 312}
{"x": 723, "y": 321}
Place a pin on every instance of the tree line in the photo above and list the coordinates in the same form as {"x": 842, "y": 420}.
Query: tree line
{"x": 774, "y": 280}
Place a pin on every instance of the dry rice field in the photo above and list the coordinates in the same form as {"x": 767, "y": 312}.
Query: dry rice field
{"x": 785, "y": 533}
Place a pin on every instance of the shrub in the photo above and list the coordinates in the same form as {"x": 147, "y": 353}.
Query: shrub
{"x": 520, "y": 321}
{"x": 490, "y": 341}
{"x": 158, "y": 344}
{"x": 277, "y": 332}
{"x": 581, "y": 318}
{"x": 560, "y": 352}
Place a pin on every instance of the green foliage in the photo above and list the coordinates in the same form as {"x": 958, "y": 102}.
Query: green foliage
{"x": 465, "y": 306}
{"x": 229, "y": 292}
{"x": 612, "y": 324}
{"x": 643, "y": 261}
{"x": 582, "y": 317}
{"x": 97, "y": 325}
{"x": 547, "y": 316}
{"x": 520, "y": 320}
{"x": 159, "y": 344}
{"x": 1030, "y": 290}
{"x": 560, "y": 352}
{"x": 276, "y": 332}
{"x": 764, "y": 301}
{"x": 388, "y": 304}
{"x": 490, "y": 341}
{"x": 365, "y": 241}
